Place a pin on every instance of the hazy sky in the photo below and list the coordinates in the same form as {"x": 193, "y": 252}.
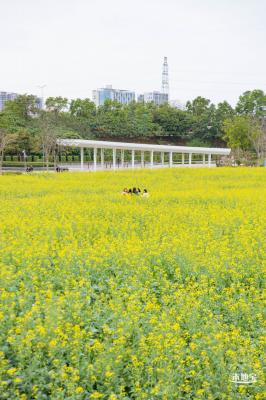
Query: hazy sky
{"x": 215, "y": 48}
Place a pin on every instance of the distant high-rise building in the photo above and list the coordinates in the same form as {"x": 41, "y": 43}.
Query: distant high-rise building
{"x": 155, "y": 97}
{"x": 6, "y": 96}
{"x": 122, "y": 96}
{"x": 141, "y": 98}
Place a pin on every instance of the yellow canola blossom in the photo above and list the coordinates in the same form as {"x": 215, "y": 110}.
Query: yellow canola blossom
{"x": 118, "y": 297}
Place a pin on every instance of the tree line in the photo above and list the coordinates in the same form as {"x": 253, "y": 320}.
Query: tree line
{"x": 25, "y": 129}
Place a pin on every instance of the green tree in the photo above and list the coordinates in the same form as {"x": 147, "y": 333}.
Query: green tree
{"x": 24, "y": 141}
{"x": 48, "y": 135}
{"x": 132, "y": 120}
{"x": 19, "y": 117}
{"x": 56, "y": 104}
{"x": 236, "y": 132}
{"x": 252, "y": 103}
{"x": 82, "y": 108}
{"x": 81, "y": 117}
{"x": 198, "y": 107}
{"x": 203, "y": 122}
{"x": 207, "y": 120}
{"x": 173, "y": 122}
{"x": 5, "y": 139}
{"x": 224, "y": 111}
{"x": 245, "y": 132}
{"x": 21, "y": 110}
{"x": 140, "y": 121}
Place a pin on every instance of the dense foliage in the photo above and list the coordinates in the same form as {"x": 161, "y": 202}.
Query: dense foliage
{"x": 112, "y": 297}
{"x": 200, "y": 123}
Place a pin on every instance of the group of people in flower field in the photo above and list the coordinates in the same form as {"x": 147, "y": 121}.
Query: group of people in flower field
{"x": 135, "y": 191}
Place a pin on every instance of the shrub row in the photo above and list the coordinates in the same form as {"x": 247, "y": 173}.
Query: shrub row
{"x": 35, "y": 158}
{"x": 21, "y": 164}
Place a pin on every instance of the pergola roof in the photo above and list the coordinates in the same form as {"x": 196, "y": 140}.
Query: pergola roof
{"x": 142, "y": 147}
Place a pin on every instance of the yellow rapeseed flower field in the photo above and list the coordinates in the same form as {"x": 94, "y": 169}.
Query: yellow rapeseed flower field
{"x": 105, "y": 296}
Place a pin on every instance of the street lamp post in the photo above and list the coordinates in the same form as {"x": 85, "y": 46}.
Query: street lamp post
{"x": 25, "y": 158}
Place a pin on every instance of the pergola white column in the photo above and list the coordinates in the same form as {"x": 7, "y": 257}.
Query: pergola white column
{"x": 142, "y": 159}
{"x": 95, "y": 158}
{"x": 122, "y": 158}
{"x": 81, "y": 158}
{"x": 205, "y": 152}
{"x": 151, "y": 158}
{"x": 102, "y": 158}
{"x": 209, "y": 160}
{"x": 133, "y": 158}
{"x": 170, "y": 159}
{"x": 114, "y": 158}
{"x": 162, "y": 157}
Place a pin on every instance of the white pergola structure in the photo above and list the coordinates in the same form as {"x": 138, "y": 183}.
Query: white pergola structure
{"x": 121, "y": 147}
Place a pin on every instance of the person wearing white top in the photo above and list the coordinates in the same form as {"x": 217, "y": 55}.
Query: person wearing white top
{"x": 145, "y": 193}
